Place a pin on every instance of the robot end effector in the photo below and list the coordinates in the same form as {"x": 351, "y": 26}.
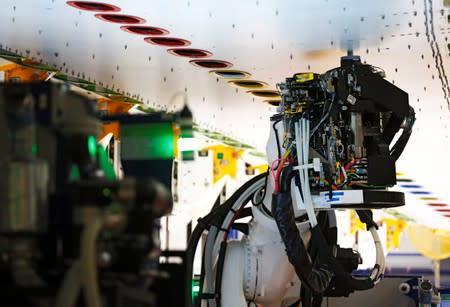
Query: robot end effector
{"x": 346, "y": 119}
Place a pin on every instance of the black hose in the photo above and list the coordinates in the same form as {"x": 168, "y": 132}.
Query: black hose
{"x": 316, "y": 277}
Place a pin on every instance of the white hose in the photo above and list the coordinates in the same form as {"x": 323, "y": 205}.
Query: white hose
{"x": 70, "y": 288}
{"x": 380, "y": 261}
{"x": 215, "y": 237}
{"x": 88, "y": 262}
{"x": 209, "y": 275}
{"x": 252, "y": 189}
{"x": 88, "y": 255}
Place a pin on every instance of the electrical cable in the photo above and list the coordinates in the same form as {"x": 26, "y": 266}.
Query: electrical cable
{"x": 400, "y": 145}
{"x": 218, "y": 216}
{"x": 240, "y": 203}
{"x": 302, "y": 141}
{"x": 276, "y": 137}
{"x": 190, "y": 254}
{"x": 209, "y": 245}
{"x": 324, "y": 117}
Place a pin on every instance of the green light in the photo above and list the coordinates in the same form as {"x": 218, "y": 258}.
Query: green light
{"x": 147, "y": 141}
{"x": 195, "y": 289}
{"x": 105, "y": 164}
{"x": 106, "y": 192}
{"x": 74, "y": 173}
{"x": 34, "y": 149}
{"x": 92, "y": 145}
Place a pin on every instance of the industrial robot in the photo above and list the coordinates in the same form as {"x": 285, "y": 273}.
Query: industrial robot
{"x": 331, "y": 146}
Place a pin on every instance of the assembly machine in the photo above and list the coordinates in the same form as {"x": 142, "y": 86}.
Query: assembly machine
{"x": 332, "y": 145}
{"x": 71, "y": 233}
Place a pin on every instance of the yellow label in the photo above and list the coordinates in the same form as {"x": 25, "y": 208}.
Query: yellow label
{"x": 304, "y": 77}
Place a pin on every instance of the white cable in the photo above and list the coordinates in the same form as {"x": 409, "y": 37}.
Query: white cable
{"x": 344, "y": 173}
{"x": 302, "y": 144}
{"x": 301, "y": 161}
{"x": 309, "y": 202}
{"x": 215, "y": 237}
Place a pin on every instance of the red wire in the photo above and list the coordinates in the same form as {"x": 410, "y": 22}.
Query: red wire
{"x": 273, "y": 174}
{"x": 277, "y": 178}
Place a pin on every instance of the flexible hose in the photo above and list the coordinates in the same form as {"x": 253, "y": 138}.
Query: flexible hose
{"x": 88, "y": 256}
{"x": 88, "y": 262}
{"x": 215, "y": 237}
{"x": 68, "y": 293}
{"x": 209, "y": 246}
{"x": 315, "y": 277}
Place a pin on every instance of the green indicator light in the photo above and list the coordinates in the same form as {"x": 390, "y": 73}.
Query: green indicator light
{"x": 74, "y": 173}
{"x": 92, "y": 145}
{"x": 106, "y": 192}
{"x": 195, "y": 289}
{"x": 220, "y": 156}
{"x": 34, "y": 149}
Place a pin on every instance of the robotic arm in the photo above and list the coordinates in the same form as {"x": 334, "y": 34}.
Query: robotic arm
{"x": 330, "y": 147}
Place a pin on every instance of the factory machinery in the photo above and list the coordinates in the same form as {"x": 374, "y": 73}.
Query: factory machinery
{"x": 71, "y": 232}
{"x": 74, "y": 234}
{"x": 333, "y": 145}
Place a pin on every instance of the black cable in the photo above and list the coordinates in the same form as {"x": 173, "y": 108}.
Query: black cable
{"x": 264, "y": 191}
{"x": 316, "y": 276}
{"x": 316, "y": 127}
{"x": 400, "y": 145}
{"x": 215, "y": 217}
{"x": 220, "y": 263}
{"x": 197, "y": 303}
{"x": 190, "y": 253}
{"x": 277, "y": 140}
{"x": 245, "y": 212}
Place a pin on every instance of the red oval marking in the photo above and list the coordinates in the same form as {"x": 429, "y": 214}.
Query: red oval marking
{"x": 211, "y": 63}
{"x": 167, "y": 41}
{"x": 120, "y": 18}
{"x": 190, "y": 52}
{"x": 437, "y": 205}
{"x": 93, "y": 6}
{"x": 145, "y": 30}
